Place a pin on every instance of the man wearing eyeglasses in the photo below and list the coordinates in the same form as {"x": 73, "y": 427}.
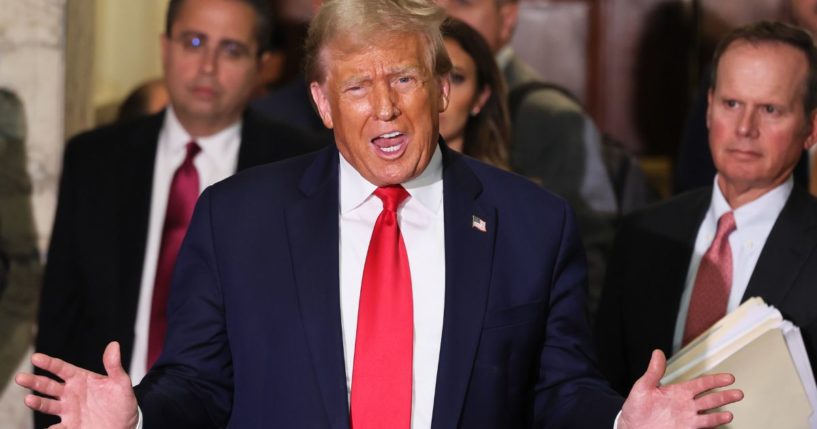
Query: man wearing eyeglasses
{"x": 127, "y": 190}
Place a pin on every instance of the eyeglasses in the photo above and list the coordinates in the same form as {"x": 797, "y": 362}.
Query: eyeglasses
{"x": 197, "y": 43}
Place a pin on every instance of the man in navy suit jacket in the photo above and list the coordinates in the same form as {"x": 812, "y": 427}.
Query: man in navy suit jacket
{"x": 260, "y": 327}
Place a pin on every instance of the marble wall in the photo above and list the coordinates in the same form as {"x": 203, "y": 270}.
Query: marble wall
{"x": 32, "y": 65}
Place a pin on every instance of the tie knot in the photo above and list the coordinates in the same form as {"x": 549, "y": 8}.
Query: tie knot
{"x": 392, "y": 196}
{"x": 726, "y": 224}
{"x": 193, "y": 149}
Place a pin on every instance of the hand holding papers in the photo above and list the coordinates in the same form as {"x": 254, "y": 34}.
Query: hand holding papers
{"x": 768, "y": 359}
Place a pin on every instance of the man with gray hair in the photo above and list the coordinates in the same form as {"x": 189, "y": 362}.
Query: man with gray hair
{"x": 387, "y": 283}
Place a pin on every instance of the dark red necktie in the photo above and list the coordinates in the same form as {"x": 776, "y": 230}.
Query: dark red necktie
{"x": 381, "y": 375}
{"x": 184, "y": 190}
{"x": 710, "y": 294}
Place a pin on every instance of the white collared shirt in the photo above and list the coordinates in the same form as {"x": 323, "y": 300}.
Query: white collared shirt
{"x": 754, "y": 222}
{"x": 217, "y": 160}
{"x": 421, "y": 224}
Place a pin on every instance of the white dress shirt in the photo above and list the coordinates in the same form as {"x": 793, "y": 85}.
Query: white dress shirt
{"x": 754, "y": 222}
{"x": 217, "y": 160}
{"x": 421, "y": 224}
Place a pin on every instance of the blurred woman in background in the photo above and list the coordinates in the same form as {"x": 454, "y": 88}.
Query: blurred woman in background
{"x": 476, "y": 122}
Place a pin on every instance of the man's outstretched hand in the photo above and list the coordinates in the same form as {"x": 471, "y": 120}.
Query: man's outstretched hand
{"x": 682, "y": 405}
{"x": 85, "y": 399}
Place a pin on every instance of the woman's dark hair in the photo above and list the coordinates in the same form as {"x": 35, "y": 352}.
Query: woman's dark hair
{"x": 487, "y": 134}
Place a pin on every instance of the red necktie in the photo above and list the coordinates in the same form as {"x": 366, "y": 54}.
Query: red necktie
{"x": 710, "y": 294}
{"x": 381, "y": 375}
{"x": 184, "y": 190}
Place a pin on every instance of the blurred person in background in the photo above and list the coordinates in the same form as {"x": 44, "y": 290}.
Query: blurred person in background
{"x": 476, "y": 121}
{"x": 286, "y": 98}
{"x": 20, "y": 269}
{"x": 553, "y": 140}
{"x": 149, "y": 98}
{"x": 127, "y": 190}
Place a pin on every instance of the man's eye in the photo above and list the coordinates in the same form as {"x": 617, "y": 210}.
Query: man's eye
{"x": 405, "y": 81}
{"x": 234, "y": 50}
{"x": 730, "y": 103}
{"x": 769, "y": 109}
{"x": 193, "y": 42}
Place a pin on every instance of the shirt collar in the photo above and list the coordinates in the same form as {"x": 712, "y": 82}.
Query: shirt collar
{"x": 215, "y": 145}
{"x": 763, "y": 209}
{"x": 426, "y": 188}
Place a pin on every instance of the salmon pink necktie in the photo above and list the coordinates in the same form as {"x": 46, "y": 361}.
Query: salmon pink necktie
{"x": 710, "y": 294}
{"x": 184, "y": 191}
{"x": 381, "y": 374}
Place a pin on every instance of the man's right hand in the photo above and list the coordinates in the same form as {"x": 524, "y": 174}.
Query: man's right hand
{"x": 85, "y": 399}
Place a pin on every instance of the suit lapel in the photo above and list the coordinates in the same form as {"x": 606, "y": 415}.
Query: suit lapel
{"x": 672, "y": 264}
{"x": 787, "y": 248}
{"x": 468, "y": 263}
{"x": 312, "y": 225}
{"x": 133, "y": 198}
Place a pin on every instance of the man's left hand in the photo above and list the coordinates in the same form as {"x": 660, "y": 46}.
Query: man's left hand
{"x": 682, "y": 405}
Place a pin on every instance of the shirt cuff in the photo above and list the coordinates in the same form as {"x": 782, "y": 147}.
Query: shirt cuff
{"x": 615, "y": 423}
{"x": 139, "y": 422}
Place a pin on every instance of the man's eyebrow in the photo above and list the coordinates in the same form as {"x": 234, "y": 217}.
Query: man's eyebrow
{"x": 234, "y": 41}
{"x": 355, "y": 80}
{"x": 408, "y": 69}
{"x": 199, "y": 34}
{"x": 194, "y": 33}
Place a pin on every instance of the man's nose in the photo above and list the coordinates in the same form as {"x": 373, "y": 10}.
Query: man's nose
{"x": 384, "y": 102}
{"x": 209, "y": 60}
{"x": 747, "y": 124}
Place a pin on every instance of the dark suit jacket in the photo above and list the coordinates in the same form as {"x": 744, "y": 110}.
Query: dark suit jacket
{"x": 649, "y": 267}
{"x": 255, "y": 334}
{"x": 94, "y": 269}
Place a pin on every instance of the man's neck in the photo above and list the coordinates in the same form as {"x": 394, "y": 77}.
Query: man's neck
{"x": 738, "y": 195}
{"x": 197, "y": 127}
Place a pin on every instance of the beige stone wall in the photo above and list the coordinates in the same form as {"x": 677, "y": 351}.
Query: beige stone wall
{"x": 32, "y": 65}
{"x": 126, "y": 49}
{"x": 66, "y": 59}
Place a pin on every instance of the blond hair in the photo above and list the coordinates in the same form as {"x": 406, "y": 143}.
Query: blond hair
{"x": 363, "y": 20}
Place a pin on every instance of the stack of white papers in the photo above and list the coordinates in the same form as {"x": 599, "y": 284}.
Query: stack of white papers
{"x": 766, "y": 355}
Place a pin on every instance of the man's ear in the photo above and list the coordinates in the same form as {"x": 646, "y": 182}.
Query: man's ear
{"x": 322, "y": 103}
{"x": 508, "y": 15}
{"x": 445, "y": 91}
{"x": 164, "y": 45}
{"x": 811, "y": 138}
{"x": 263, "y": 60}
{"x": 710, "y": 95}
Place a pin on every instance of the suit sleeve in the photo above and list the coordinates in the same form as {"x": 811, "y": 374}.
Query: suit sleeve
{"x": 192, "y": 382}
{"x": 609, "y": 326}
{"x": 59, "y": 308}
{"x": 570, "y": 392}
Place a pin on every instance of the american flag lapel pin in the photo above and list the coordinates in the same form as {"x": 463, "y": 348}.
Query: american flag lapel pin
{"x": 478, "y": 224}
